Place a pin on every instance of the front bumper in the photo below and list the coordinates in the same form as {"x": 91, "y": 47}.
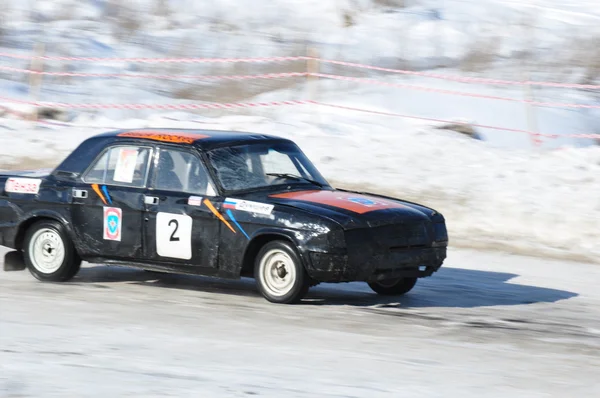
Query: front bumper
{"x": 419, "y": 263}
{"x": 372, "y": 254}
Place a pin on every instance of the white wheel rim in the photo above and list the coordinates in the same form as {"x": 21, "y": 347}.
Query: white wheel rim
{"x": 277, "y": 272}
{"x": 46, "y": 250}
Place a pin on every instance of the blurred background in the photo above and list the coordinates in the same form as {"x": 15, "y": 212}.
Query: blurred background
{"x": 486, "y": 110}
{"x": 481, "y": 48}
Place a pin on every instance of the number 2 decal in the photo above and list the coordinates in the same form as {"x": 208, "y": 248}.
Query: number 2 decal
{"x": 174, "y": 238}
{"x": 173, "y": 235}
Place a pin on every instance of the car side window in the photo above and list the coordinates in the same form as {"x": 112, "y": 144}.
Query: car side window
{"x": 120, "y": 165}
{"x": 181, "y": 171}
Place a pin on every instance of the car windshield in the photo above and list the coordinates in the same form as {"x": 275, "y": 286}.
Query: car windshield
{"x": 260, "y": 165}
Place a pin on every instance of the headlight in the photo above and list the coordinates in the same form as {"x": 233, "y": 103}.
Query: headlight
{"x": 332, "y": 240}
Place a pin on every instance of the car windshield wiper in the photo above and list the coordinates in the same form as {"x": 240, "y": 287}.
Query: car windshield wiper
{"x": 295, "y": 177}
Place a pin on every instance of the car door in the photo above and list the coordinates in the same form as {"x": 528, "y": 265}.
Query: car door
{"x": 179, "y": 226}
{"x": 107, "y": 206}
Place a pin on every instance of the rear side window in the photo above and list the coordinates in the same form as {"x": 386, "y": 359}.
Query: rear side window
{"x": 121, "y": 165}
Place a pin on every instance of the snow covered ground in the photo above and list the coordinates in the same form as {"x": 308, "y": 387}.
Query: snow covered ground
{"x": 484, "y": 325}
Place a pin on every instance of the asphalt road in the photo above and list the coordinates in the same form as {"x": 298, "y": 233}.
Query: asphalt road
{"x": 487, "y": 324}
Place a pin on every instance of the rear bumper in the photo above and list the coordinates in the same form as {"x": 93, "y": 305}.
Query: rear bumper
{"x": 412, "y": 262}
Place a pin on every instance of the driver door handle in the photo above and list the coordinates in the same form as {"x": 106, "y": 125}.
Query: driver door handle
{"x": 151, "y": 200}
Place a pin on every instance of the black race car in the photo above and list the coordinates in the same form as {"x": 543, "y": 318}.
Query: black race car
{"x": 224, "y": 204}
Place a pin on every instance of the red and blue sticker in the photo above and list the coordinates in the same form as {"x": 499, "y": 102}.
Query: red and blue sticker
{"x": 113, "y": 219}
{"x": 229, "y": 203}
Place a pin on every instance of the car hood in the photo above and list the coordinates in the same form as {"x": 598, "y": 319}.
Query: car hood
{"x": 353, "y": 210}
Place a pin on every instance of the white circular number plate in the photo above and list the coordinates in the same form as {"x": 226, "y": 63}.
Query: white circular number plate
{"x": 174, "y": 235}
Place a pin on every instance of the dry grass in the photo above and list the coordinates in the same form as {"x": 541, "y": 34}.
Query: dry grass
{"x": 224, "y": 90}
{"x": 462, "y": 128}
{"x": 162, "y": 8}
{"x": 125, "y": 21}
{"x": 391, "y": 3}
{"x": 65, "y": 14}
{"x": 348, "y": 19}
{"x": 357, "y": 8}
{"x": 586, "y": 56}
{"x": 29, "y": 163}
{"x": 4, "y": 15}
{"x": 238, "y": 90}
{"x": 481, "y": 54}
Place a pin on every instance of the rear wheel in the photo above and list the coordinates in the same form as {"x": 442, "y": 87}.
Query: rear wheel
{"x": 279, "y": 273}
{"x": 49, "y": 253}
{"x": 393, "y": 287}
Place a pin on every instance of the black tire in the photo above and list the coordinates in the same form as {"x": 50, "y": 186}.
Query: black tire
{"x": 46, "y": 233}
{"x": 389, "y": 288}
{"x": 266, "y": 261}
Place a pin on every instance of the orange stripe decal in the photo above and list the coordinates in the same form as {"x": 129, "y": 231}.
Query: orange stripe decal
{"x": 216, "y": 213}
{"x": 96, "y": 189}
{"x": 357, "y": 203}
{"x": 165, "y": 136}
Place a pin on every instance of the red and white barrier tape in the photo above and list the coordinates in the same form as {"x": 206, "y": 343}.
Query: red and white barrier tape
{"x": 462, "y": 79}
{"x": 303, "y": 74}
{"x": 233, "y": 105}
{"x": 155, "y": 76}
{"x": 153, "y": 60}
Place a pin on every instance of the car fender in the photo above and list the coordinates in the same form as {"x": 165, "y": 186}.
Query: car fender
{"x": 287, "y": 234}
{"x": 257, "y": 240}
{"x": 33, "y": 216}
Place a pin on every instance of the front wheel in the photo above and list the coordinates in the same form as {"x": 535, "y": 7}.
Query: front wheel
{"x": 279, "y": 273}
{"x": 393, "y": 287}
{"x": 49, "y": 253}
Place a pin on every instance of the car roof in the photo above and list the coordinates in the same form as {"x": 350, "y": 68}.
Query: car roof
{"x": 202, "y": 139}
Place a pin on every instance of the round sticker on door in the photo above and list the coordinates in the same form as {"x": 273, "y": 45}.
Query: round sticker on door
{"x": 174, "y": 235}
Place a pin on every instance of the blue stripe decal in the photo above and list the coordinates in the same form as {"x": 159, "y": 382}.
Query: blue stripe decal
{"x": 105, "y": 190}
{"x": 230, "y": 214}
